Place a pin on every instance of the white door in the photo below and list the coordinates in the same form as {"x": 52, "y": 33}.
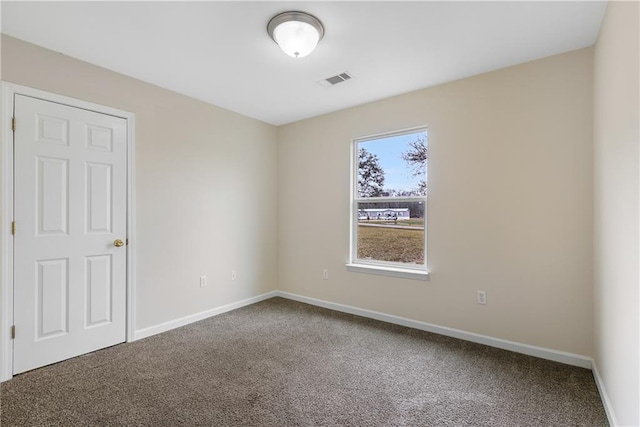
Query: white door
{"x": 70, "y": 210}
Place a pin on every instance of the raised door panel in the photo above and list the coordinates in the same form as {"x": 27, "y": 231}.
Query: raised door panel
{"x": 52, "y": 200}
{"x": 52, "y": 130}
{"x": 99, "y": 290}
{"x": 99, "y": 138}
{"x": 52, "y": 298}
{"x": 99, "y": 197}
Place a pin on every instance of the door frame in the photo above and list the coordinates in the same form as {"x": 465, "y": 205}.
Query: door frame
{"x": 9, "y": 90}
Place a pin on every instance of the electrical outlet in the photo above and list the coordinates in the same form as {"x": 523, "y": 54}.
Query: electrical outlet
{"x": 325, "y": 274}
{"x": 203, "y": 281}
{"x": 482, "y": 297}
{"x": 234, "y": 275}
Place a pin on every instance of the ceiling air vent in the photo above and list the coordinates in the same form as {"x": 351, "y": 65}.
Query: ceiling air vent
{"x": 334, "y": 80}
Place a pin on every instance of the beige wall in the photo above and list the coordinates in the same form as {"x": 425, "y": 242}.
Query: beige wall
{"x": 509, "y": 210}
{"x": 205, "y": 185}
{"x": 509, "y": 207}
{"x": 617, "y": 216}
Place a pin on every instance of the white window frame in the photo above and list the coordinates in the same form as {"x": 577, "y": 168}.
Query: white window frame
{"x": 385, "y": 268}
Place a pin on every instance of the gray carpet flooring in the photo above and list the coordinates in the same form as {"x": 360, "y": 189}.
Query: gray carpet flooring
{"x": 283, "y": 363}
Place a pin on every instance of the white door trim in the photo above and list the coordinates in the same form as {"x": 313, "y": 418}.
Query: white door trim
{"x": 6, "y": 213}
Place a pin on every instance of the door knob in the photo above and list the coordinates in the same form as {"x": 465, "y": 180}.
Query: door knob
{"x": 117, "y": 243}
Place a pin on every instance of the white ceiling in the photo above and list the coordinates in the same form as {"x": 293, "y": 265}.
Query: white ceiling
{"x": 220, "y": 52}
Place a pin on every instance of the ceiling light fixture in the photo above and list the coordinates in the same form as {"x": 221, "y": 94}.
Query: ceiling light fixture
{"x": 297, "y": 33}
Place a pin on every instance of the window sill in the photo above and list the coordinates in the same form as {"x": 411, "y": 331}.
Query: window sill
{"x": 404, "y": 273}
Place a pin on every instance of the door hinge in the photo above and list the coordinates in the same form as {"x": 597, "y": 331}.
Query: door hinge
{"x": 13, "y": 228}
{"x": 127, "y": 241}
{"x": 13, "y": 124}
{"x": 13, "y": 332}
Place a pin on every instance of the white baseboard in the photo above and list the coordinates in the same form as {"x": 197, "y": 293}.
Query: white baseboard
{"x": 172, "y": 324}
{"x": 608, "y": 408}
{"x": 541, "y": 352}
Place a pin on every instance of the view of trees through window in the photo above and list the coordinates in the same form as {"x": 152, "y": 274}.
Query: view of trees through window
{"x": 390, "y": 198}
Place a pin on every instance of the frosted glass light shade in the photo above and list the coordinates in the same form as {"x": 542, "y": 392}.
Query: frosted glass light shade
{"x": 297, "y": 33}
{"x": 296, "y": 39}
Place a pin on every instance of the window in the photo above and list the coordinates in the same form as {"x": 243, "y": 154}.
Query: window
{"x": 389, "y": 195}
